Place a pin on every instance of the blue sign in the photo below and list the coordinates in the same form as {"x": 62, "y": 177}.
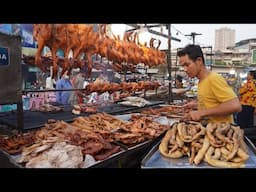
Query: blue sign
{"x": 4, "y": 56}
{"x": 6, "y": 28}
{"x": 26, "y": 33}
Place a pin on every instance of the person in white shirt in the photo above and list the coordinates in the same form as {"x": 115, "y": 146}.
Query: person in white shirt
{"x": 50, "y": 84}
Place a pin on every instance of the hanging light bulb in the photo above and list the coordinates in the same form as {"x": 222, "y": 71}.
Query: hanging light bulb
{"x": 242, "y": 75}
{"x": 232, "y": 71}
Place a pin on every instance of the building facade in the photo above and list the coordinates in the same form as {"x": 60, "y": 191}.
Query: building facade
{"x": 242, "y": 54}
{"x": 224, "y": 37}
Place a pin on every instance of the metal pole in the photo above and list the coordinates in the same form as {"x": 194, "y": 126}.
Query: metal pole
{"x": 193, "y": 34}
{"x": 169, "y": 64}
{"x": 211, "y": 57}
{"x": 125, "y": 71}
{"x": 20, "y": 113}
{"x": 135, "y": 26}
{"x": 176, "y": 66}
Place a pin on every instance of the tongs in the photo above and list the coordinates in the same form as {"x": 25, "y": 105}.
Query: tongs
{"x": 173, "y": 116}
{"x": 176, "y": 106}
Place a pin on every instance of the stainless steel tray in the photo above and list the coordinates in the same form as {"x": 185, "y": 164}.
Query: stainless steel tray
{"x": 8, "y": 161}
{"x": 162, "y": 119}
{"x": 11, "y": 161}
{"x": 155, "y": 160}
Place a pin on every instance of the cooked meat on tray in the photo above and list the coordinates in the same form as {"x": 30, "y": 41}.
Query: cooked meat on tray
{"x": 173, "y": 111}
{"x": 53, "y": 155}
{"x": 15, "y": 143}
{"x": 219, "y": 144}
{"x": 48, "y": 108}
{"x": 82, "y": 108}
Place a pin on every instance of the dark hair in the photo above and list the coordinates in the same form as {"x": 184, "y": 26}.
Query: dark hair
{"x": 179, "y": 78}
{"x": 253, "y": 73}
{"x": 193, "y": 52}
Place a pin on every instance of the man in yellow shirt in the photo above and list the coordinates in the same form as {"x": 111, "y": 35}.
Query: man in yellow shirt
{"x": 216, "y": 99}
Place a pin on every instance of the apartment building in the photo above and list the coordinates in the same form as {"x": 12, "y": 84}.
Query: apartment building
{"x": 224, "y": 37}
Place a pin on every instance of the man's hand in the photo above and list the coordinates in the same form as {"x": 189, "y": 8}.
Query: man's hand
{"x": 194, "y": 116}
{"x": 191, "y": 105}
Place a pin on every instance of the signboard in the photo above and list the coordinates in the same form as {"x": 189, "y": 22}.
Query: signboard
{"x": 10, "y": 69}
{"x": 4, "y": 56}
{"x": 6, "y": 28}
{"x": 33, "y": 69}
{"x": 254, "y": 56}
{"x": 26, "y": 33}
{"x": 23, "y": 30}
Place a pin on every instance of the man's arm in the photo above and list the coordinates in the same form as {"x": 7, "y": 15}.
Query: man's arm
{"x": 224, "y": 108}
{"x": 192, "y": 104}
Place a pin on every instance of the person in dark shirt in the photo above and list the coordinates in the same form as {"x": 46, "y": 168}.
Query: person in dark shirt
{"x": 178, "y": 82}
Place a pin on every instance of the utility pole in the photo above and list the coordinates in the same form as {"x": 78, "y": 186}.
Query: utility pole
{"x": 211, "y": 54}
{"x": 193, "y": 34}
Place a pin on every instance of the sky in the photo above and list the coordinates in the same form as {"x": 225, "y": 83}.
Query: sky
{"x": 242, "y": 32}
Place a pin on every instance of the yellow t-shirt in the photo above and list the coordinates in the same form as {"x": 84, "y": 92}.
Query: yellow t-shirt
{"x": 212, "y": 91}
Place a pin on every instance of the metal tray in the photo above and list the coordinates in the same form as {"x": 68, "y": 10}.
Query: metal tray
{"x": 125, "y": 159}
{"x": 155, "y": 160}
{"x": 161, "y": 119}
{"x": 133, "y": 155}
{"x": 10, "y": 161}
{"x": 110, "y": 162}
{"x": 117, "y": 109}
{"x": 36, "y": 119}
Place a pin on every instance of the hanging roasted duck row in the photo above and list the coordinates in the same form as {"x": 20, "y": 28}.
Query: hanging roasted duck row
{"x": 125, "y": 87}
{"x": 81, "y": 39}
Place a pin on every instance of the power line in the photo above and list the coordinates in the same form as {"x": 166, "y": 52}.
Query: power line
{"x": 193, "y": 35}
{"x": 179, "y": 32}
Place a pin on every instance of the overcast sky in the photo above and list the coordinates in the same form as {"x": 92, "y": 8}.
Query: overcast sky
{"x": 242, "y": 31}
